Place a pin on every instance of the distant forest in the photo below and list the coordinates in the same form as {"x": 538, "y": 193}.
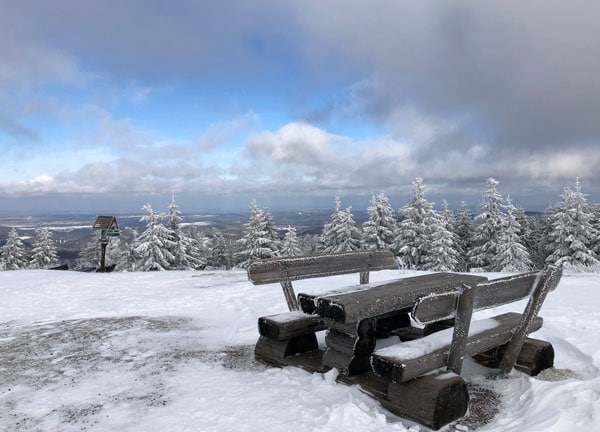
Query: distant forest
{"x": 499, "y": 237}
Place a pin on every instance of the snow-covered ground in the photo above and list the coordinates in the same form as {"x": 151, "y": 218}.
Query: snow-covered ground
{"x": 172, "y": 351}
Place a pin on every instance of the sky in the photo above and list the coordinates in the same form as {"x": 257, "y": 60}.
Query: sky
{"x": 107, "y": 105}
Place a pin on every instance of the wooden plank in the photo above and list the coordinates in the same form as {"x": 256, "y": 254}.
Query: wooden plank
{"x": 393, "y": 296}
{"x": 273, "y": 350}
{"x": 289, "y": 324}
{"x": 408, "y": 360}
{"x": 294, "y": 268}
{"x": 432, "y": 400}
{"x": 549, "y": 278}
{"x": 350, "y": 344}
{"x": 441, "y": 306}
{"x": 290, "y": 297}
{"x": 461, "y": 330}
{"x": 363, "y": 328}
{"x": 346, "y": 364}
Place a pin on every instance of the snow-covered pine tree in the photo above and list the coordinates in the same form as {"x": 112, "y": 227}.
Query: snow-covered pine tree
{"x": 153, "y": 246}
{"x": 185, "y": 250}
{"x": 379, "y": 231}
{"x": 220, "y": 254}
{"x": 512, "y": 255}
{"x": 89, "y": 255}
{"x": 13, "y": 255}
{"x": 329, "y": 237}
{"x": 487, "y": 227}
{"x": 259, "y": 240}
{"x": 348, "y": 233}
{"x": 443, "y": 254}
{"x": 43, "y": 252}
{"x": 571, "y": 233}
{"x": 290, "y": 245}
{"x": 414, "y": 237}
{"x": 463, "y": 229}
{"x": 128, "y": 259}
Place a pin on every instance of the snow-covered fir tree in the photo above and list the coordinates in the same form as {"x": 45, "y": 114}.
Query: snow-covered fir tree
{"x": 341, "y": 234}
{"x": 290, "y": 245}
{"x": 443, "y": 254}
{"x": 89, "y": 255}
{"x": 571, "y": 235}
{"x": 463, "y": 229}
{"x": 512, "y": 255}
{"x": 220, "y": 255}
{"x": 153, "y": 246}
{"x": 379, "y": 231}
{"x": 128, "y": 259}
{"x": 43, "y": 252}
{"x": 414, "y": 237}
{"x": 13, "y": 255}
{"x": 186, "y": 250}
{"x": 259, "y": 239}
{"x": 329, "y": 236}
{"x": 487, "y": 227}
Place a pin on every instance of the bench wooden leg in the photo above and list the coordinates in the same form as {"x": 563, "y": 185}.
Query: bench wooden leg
{"x": 431, "y": 400}
{"x": 535, "y": 356}
{"x": 273, "y": 350}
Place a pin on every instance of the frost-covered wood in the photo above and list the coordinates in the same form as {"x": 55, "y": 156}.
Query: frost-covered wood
{"x": 350, "y": 344}
{"x": 273, "y": 350}
{"x": 322, "y": 265}
{"x": 435, "y": 307}
{"x": 464, "y": 310}
{"x": 548, "y": 279}
{"x": 432, "y": 400}
{"x": 290, "y": 296}
{"x": 347, "y": 364}
{"x": 535, "y": 356}
{"x": 287, "y": 325}
{"x": 408, "y": 360}
{"x": 389, "y": 297}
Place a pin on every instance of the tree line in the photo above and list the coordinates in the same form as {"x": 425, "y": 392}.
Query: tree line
{"x": 499, "y": 237}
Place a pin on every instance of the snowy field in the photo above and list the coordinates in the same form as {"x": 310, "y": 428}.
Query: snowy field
{"x": 172, "y": 351}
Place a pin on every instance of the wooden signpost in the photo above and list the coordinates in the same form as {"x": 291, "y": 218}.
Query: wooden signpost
{"x": 108, "y": 228}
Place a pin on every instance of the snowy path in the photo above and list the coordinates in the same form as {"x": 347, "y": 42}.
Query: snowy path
{"x": 173, "y": 351}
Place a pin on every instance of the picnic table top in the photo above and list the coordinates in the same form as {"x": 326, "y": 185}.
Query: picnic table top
{"x": 368, "y": 301}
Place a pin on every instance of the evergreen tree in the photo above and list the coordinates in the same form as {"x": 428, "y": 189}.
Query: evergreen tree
{"x": 341, "y": 234}
{"x": 43, "y": 253}
{"x": 414, "y": 237}
{"x": 220, "y": 254}
{"x": 379, "y": 232}
{"x": 291, "y": 245}
{"x": 329, "y": 237}
{"x": 512, "y": 254}
{"x": 572, "y": 235}
{"x": 259, "y": 240}
{"x": 13, "y": 252}
{"x": 463, "y": 229}
{"x": 443, "y": 254}
{"x": 89, "y": 256}
{"x": 185, "y": 249}
{"x": 153, "y": 247}
{"x": 488, "y": 226}
{"x": 128, "y": 260}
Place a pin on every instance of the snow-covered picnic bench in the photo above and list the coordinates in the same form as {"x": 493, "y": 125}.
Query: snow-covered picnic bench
{"x": 419, "y": 377}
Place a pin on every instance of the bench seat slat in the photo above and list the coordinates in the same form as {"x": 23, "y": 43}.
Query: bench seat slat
{"x": 289, "y": 324}
{"x": 408, "y": 360}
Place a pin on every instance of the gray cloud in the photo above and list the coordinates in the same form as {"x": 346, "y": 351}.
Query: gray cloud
{"x": 16, "y": 130}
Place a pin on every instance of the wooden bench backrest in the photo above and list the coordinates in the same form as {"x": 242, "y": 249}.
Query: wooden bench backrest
{"x": 497, "y": 292}
{"x": 279, "y": 269}
{"x": 287, "y": 269}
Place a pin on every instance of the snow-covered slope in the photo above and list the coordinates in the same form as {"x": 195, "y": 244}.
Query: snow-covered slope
{"x": 172, "y": 351}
